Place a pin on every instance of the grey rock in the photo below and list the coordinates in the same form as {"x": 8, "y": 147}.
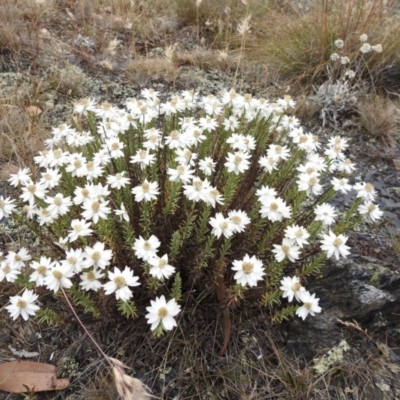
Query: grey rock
{"x": 359, "y": 288}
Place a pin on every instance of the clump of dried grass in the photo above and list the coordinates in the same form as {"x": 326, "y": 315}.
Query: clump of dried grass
{"x": 20, "y": 136}
{"x": 151, "y": 67}
{"x": 380, "y": 118}
{"x": 206, "y": 59}
{"x": 299, "y": 44}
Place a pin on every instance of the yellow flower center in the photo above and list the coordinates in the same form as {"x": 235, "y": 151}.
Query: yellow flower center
{"x": 6, "y": 269}
{"x": 96, "y": 256}
{"x": 299, "y": 233}
{"x": 175, "y": 135}
{"x": 162, "y": 312}
{"x": 143, "y": 154}
{"x": 247, "y": 267}
{"x": 115, "y": 146}
{"x": 58, "y": 201}
{"x": 337, "y": 242}
{"x": 95, "y": 206}
{"x": 237, "y": 159}
{"x": 77, "y": 227}
{"x": 310, "y": 170}
{"x": 308, "y": 305}
{"x": 31, "y": 188}
{"x": 145, "y": 187}
{"x": 120, "y": 281}
{"x": 90, "y": 276}
{"x": 58, "y": 275}
{"x": 223, "y": 225}
{"x": 162, "y": 263}
{"x": 197, "y": 185}
{"x": 274, "y": 206}
{"x": 369, "y": 188}
{"x": 147, "y": 245}
{"x": 236, "y": 219}
{"x": 313, "y": 181}
{"x": 214, "y": 193}
{"x": 21, "y": 303}
{"x": 41, "y": 270}
{"x": 90, "y": 166}
{"x": 296, "y": 286}
{"x": 57, "y": 153}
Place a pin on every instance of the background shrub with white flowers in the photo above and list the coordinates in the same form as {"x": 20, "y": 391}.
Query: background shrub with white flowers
{"x": 225, "y": 195}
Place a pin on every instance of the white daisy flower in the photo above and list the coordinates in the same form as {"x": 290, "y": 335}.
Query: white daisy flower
{"x": 9, "y": 271}
{"x": 122, "y": 213}
{"x": 237, "y": 162}
{"x": 80, "y": 228}
{"x": 281, "y": 152}
{"x": 90, "y": 280}
{"x": 298, "y": 234}
{"x": 370, "y": 210}
{"x": 310, "y": 305}
{"x": 198, "y": 190}
{"x": 120, "y": 282}
{"x": 275, "y": 209}
{"x": 143, "y": 158}
{"x": 182, "y": 173}
{"x": 288, "y": 249}
{"x": 341, "y": 185}
{"x": 335, "y": 245}
{"x": 160, "y": 267}
{"x": 239, "y": 220}
{"x": 97, "y": 256}
{"x": 207, "y": 166}
{"x": 291, "y": 288}
{"x": 326, "y": 213}
{"x": 41, "y": 269}
{"x": 161, "y": 312}
{"x": 118, "y": 180}
{"x": 23, "y": 306}
{"x": 221, "y": 226}
{"x": 365, "y": 190}
{"x": 22, "y": 177}
{"x": 146, "y": 249}
{"x": 7, "y": 207}
{"x": 95, "y": 209}
{"x": 58, "y": 277}
{"x": 147, "y": 191}
{"x": 249, "y": 270}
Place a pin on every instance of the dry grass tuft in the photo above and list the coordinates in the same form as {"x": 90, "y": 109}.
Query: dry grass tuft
{"x": 298, "y": 44}
{"x": 206, "y": 59}
{"x": 154, "y": 68}
{"x": 380, "y": 118}
{"x": 20, "y": 135}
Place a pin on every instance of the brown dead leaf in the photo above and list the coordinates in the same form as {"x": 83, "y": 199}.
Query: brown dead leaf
{"x": 397, "y": 164}
{"x": 23, "y": 376}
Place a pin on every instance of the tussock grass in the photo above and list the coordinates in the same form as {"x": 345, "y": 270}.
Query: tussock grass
{"x": 298, "y": 44}
{"x": 380, "y": 118}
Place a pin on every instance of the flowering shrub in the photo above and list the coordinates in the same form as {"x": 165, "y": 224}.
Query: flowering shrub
{"x": 152, "y": 203}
